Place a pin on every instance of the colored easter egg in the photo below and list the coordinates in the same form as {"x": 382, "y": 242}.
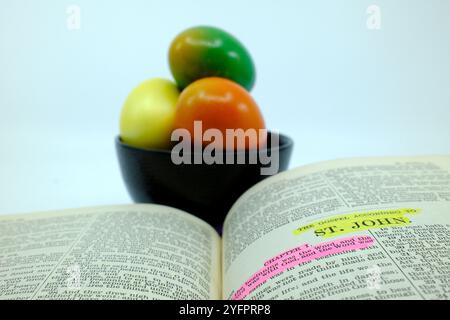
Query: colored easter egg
{"x": 202, "y": 52}
{"x": 148, "y": 114}
{"x": 220, "y": 104}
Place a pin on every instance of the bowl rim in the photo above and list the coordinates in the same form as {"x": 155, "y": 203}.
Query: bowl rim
{"x": 288, "y": 143}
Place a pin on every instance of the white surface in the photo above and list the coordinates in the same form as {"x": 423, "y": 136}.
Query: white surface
{"x": 337, "y": 88}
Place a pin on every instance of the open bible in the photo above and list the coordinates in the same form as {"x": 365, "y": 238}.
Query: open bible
{"x": 376, "y": 228}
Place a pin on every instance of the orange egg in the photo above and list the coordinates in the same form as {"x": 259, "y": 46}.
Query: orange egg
{"x": 223, "y": 105}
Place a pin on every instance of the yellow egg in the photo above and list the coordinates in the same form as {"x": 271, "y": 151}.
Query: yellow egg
{"x": 148, "y": 114}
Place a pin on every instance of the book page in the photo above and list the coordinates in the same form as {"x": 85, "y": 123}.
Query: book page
{"x": 118, "y": 252}
{"x": 376, "y": 228}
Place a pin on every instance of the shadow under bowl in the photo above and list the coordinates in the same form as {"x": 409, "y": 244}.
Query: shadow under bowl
{"x": 205, "y": 190}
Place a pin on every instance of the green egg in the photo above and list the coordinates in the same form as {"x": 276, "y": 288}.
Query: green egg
{"x": 202, "y": 52}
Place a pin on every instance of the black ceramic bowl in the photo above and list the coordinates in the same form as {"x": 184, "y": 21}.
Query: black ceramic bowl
{"x": 206, "y": 191}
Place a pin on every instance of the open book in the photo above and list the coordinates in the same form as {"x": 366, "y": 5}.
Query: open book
{"x": 376, "y": 228}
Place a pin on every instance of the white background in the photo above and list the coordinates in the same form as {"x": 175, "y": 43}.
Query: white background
{"x": 338, "y": 88}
